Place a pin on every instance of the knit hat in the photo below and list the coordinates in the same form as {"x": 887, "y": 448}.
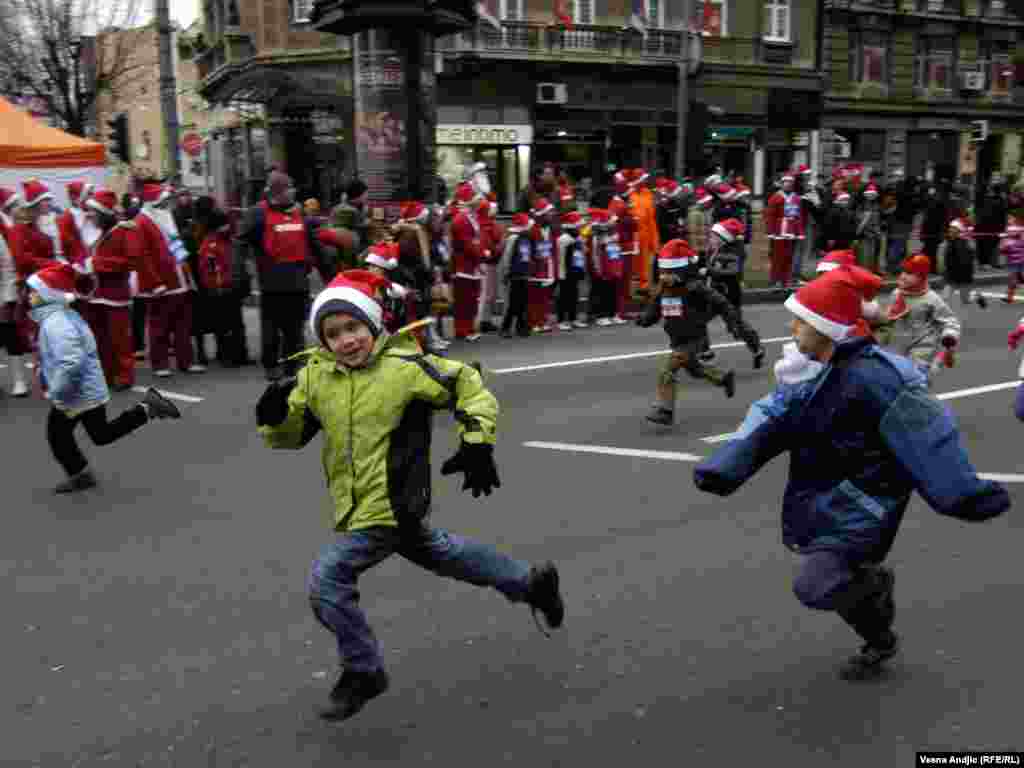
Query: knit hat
{"x": 831, "y": 304}
{"x": 466, "y": 195}
{"x": 541, "y": 208}
{"x": 414, "y": 212}
{"x": 383, "y": 255}
{"x": 104, "y": 201}
{"x": 9, "y": 198}
{"x": 353, "y": 292}
{"x": 729, "y": 229}
{"x": 676, "y": 254}
{"x": 571, "y": 220}
{"x": 834, "y": 259}
{"x": 58, "y": 284}
{"x": 918, "y": 265}
{"x": 35, "y": 192}
{"x": 521, "y": 222}
{"x": 155, "y": 194}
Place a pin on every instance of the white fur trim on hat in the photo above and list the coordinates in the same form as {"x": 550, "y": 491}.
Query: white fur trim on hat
{"x": 832, "y": 329}
{"x": 50, "y": 295}
{"x": 959, "y": 224}
{"x": 826, "y": 266}
{"x": 673, "y": 263}
{"x": 534, "y": 213}
{"x": 348, "y": 295}
{"x": 722, "y": 232}
{"x": 95, "y": 204}
{"x": 380, "y": 261}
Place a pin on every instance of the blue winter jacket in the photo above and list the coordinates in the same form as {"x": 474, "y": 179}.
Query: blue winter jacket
{"x": 862, "y": 435}
{"x": 70, "y": 366}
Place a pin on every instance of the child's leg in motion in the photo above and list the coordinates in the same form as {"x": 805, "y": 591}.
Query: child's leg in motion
{"x": 690, "y": 356}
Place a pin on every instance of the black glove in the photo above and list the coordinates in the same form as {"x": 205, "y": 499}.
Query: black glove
{"x": 649, "y": 316}
{"x": 948, "y": 342}
{"x": 476, "y": 460}
{"x": 272, "y": 409}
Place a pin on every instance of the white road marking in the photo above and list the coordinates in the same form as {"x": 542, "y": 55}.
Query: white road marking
{"x": 628, "y": 356}
{"x": 613, "y": 451}
{"x": 953, "y": 395}
{"x": 171, "y": 395}
{"x": 1000, "y": 296}
{"x": 998, "y": 478}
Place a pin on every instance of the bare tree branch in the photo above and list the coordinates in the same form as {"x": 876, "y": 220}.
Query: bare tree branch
{"x": 44, "y": 45}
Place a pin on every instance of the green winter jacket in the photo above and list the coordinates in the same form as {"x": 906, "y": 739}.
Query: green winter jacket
{"x": 377, "y": 424}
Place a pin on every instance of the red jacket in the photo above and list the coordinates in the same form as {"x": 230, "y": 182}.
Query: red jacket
{"x": 545, "y": 255}
{"x": 785, "y": 215}
{"x": 33, "y": 250}
{"x": 116, "y": 254}
{"x": 71, "y": 244}
{"x": 215, "y": 262}
{"x": 626, "y": 230}
{"x": 466, "y": 246}
{"x": 159, "y": 273}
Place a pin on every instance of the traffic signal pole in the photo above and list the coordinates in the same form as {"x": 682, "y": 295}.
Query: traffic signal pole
{"x": 168, "y": 91}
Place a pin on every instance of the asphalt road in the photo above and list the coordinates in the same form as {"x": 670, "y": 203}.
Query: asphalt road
{"x": 161, "y": 620}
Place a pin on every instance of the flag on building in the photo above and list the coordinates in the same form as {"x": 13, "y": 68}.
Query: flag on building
{"x": 638, "y": 20}
{"x": 563, "y": 18}
{"x": 485, "y": 15}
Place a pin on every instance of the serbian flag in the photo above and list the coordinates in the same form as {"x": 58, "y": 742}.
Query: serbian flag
{"x": 562, "y": 16}
{"x": 485, "y": 15}
{"x": 638, "y": 20}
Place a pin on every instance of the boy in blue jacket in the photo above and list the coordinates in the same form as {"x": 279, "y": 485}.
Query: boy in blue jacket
{"x": 72, "y": 377}
{"x": 863, "y": 435}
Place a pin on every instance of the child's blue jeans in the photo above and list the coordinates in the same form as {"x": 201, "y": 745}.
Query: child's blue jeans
{"x": 334, "y": 597}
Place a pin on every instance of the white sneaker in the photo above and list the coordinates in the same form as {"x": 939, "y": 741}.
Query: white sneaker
{"x": 565, "y": 326}
{"x": 19, "y": 378}
{"x": 617, "y": 320}
{"x": 163, "y": 373}
{"x": 581, "y": 324}
{"x": 473, "y": 337}
{"x": 196, "y": 368}
{"x": 604, "y": 322}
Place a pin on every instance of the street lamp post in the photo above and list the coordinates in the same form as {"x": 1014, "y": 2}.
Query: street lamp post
{"x": 394, "y": 85}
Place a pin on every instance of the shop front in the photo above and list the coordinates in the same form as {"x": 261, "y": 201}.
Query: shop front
{"x": 505, "y": 149}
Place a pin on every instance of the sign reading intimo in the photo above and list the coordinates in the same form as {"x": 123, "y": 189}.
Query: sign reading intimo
{"x": 484, "y": 134}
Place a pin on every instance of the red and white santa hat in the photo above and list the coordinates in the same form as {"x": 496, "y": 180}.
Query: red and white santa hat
{"x": 671, "y": 189}
{"x": 712, "y": 181}
{"x": 571, "y": 220}
{"x": 466, "y": 195}
{"x": 383, "y": 255}
{"x": 599, "y": 218}
{"x": 836, "y": 259}
{"x": 414, "y": 212}
{"x": 541, "y": 208}
{"x": 676, "y": 254}
{"x": 35, "y": 192}
{"x": 9, "y": 199}
{"x": 58, "y": 284}
{"x": 918, "y": 265}
{"x": 788, "y": 176}
{"x": 637, "y": 176}
{"x": 960, "y": 224}
{"x": 729, "y": 229}
{"x": 621, "y": 182}
{"x": 804, "y": 170}
{"x": 725, "y": 193}
{"x": 79, "y": 190}
{"x": 830, "y": 304}
{"x": 521, "y": 222}
{"x": 155, "y": 194}
{"x": 871, "y": 191}
{"x": 742, "y": 191}
{"x": 104, "y": 201}
{"x": 842, "y": 198}
{"x": 353, "y": 292}
{"x": 478, "y": 167}
{"x": 704, "y": 197}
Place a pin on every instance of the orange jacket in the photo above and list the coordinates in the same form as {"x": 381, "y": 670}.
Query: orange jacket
{"x": 646, "y": 220}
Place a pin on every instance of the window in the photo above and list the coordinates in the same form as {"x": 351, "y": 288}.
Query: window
{"x": 302, "y": 10}
{"x": 512, "y": 10}
{"x": 869, "y": 58}
{"x": 713, "y": 18}
{"x": 583, "y": 11}
{"x": 656, "y": 14}
{"x": 776, "y": 21}
{"x": 933, "y": 64}
{"x": 995, "y": 59}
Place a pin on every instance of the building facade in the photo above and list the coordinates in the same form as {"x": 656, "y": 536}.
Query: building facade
{"x": 916, "y": 85}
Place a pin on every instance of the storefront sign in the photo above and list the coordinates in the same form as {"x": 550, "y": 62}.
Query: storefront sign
{"x": 485, "y": 134}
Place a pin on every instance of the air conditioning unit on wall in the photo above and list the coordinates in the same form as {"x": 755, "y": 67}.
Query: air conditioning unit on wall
{"x": 552, "y": 93}
{"x": 972, "y": 81}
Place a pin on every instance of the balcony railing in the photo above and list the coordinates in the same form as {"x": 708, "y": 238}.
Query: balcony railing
{"x": 593, "y": 41}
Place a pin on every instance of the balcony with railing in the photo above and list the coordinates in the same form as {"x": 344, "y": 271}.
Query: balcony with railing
{"x": 586, "y": 42}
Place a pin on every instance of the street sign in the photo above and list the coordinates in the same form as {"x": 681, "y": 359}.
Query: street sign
{"x": 192, "y": 143}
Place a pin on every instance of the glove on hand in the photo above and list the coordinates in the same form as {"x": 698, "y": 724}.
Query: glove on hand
{"x": 949, "y": 342}
{"x": 272, "y": 409}
{"x": 1015, "y": 335}
{"x": 476, "y": 460}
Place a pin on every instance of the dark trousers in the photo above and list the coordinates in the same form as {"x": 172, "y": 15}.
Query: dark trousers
{"x": 224, "y": 321}
{"x": 729, "y": 286}
{"x": 516, "y": 310}
{"x": 282, "y": 317}
{"x": 60, "y": 432}
{"x": 568, "y": 298}
{"x": 139, "y": 323}
{"x": 170, "y": 322}
{"x": 603, "y": 297}
{"x": 829, "y": 581}
{"x": 9, "y": 339}
{"x": 986, "y": 250}
{"x": 931, "y": 250}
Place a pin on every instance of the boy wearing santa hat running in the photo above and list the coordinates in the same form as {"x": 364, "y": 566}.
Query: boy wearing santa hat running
{"x": 373, "y": 395}
{"x": 863, "y": 434}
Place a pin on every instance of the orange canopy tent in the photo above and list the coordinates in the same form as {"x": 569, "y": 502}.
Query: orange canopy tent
{"x": 26, "y": 143}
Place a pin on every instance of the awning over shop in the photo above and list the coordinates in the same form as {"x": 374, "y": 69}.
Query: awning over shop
{"x": 27, "y": 143}
{"x": 277, "y": 86}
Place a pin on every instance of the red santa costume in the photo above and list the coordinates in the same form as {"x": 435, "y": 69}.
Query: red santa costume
{"x": 76, "y": 231}
{"x": 541, "y": 285}
{"x": 112, "y": 258}
{"x": 467, "y": 252}
{"x": 166, "y": 284}
{"x": 491, "y": 236}
{"x": 9, "y": 201}
{"x": 785, "y": 221}
{"x": 32, "y": 250}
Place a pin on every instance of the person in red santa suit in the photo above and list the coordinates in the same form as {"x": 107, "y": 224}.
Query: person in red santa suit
{"x": 169, "y": 304}
{"x": 76, "y": 230}
{"x": 108, "y": 311}
{"x": 606, "y": 266}
{"x": 467, "y": 252}
{"x": 10, "y": 200}
{"x": 784, "y": 221}
{"x": 545, "y": 266}
{"x": 491, "y": 236}
{"x": 620, "y": 206}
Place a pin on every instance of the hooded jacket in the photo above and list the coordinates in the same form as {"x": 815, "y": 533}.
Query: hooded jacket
{"x": 70, "y": 368}
{"x": 377, "y": 424}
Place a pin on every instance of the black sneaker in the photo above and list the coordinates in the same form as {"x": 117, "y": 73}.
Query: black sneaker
{"x": 708, "y": 356}
{"x": 80, "y": 482}
{"x": 159, "y": 407}
{"x": 352, "y": 691}
{"x": 868, "y": 662}
{"x": 542, "y": 594}
{"x": 488, "y": 327}
{"x": 982, "y": 301}
{"x": 759, "y": 358}
{"x": 729, "y": 384}
{"x": 885, "y": 602}
{"x": 661, "y": 416}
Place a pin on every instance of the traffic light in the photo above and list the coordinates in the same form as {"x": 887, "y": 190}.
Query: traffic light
{"x": 979, "y": 130}
{"x": 118, "y": 143}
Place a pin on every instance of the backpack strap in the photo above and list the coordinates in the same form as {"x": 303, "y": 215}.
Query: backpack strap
{"x": 469, "y": 423}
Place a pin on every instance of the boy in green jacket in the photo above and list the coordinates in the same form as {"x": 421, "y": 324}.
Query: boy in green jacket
{"x": 373, "y": 396}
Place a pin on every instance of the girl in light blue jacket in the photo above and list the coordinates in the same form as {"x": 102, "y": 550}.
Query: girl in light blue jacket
{"x": 72, "y": 377}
